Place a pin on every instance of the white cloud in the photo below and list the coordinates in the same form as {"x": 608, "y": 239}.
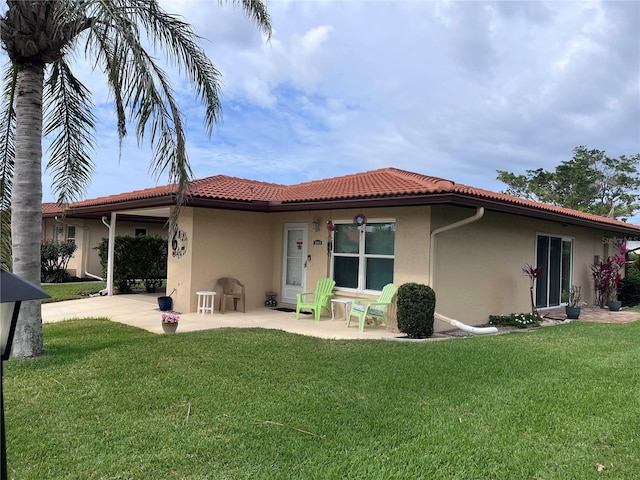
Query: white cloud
{"x": 453, "y": 89}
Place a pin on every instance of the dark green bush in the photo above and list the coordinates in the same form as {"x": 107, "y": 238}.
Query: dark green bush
{"x": 633, "y": 268}
{"x": 630, "y": 291}
{"x": 416, "y": 306}
{"x": 142, "y": 258}
{"x": 54, "y": 258}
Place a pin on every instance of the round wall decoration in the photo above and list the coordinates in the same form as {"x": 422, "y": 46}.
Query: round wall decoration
{"x": 179, "y": 243}
{"x": 360, "y": 220}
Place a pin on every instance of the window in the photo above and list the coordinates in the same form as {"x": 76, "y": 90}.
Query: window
{"x": 71, "y": 234}
{"x": 555, "y": 256}
{"x": 363, "y": 257}
{"x": 59, "y": 234}
{"x": 140, "y": 232}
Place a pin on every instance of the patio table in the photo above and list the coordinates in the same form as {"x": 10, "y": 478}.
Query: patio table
{"x": 347, "y": 302}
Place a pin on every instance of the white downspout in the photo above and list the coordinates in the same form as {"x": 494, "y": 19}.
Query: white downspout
{"x": 432, "y": 255}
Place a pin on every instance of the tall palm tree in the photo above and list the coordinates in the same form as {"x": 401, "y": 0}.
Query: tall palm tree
{"x": 42, "y": 96}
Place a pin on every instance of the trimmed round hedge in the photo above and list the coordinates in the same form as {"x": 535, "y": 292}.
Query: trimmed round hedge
{"x": 416, "y": 306}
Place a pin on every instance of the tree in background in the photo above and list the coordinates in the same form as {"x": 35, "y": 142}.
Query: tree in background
{"x": 41, "y": 95}
{"x": 589, "y": 182}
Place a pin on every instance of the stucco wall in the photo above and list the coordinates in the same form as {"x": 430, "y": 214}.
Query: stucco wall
{"x": 411, "y": 244}
{"x": 222, "y": 244}
{"x": 478, "y": 268}
{"x": 179, "y": 268}
{"x": 477, "y": 272}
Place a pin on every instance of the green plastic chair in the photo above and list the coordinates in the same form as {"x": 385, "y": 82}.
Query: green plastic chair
{"x": 376, "y": 309}
{"x": 321, "y": 297}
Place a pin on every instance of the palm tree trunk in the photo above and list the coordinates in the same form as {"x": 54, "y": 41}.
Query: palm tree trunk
{"x": 26, "y": 205}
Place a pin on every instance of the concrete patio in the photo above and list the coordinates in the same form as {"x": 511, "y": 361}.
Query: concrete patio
{"x": 141, "y": 311}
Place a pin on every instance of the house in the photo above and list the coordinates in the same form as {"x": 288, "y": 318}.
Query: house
{"x": 363, "y": 230}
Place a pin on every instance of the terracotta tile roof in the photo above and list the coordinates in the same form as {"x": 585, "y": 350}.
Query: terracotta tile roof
{"x": 385, "y": 183}
{"x": 223, "y": 187}
{"x": 51, "y": 208}
{"x": 153, "y": 192}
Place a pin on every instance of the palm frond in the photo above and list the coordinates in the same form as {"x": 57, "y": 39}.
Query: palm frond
{"x": 141, "y": 88}
{"x": 180, "y": 45}
{"x": 68, "y": 115}
{"x": 257, "y": 11}
{"x": 7, "y": 158}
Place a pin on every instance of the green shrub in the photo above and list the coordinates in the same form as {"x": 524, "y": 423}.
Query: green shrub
{"x": 142, "y": 258}
{"x": 518, "y": 320}
{"x": 630, "y": 291}
{"x": 54, "y": 258}
{"x": 633, "y": 268}
{"x": 416, "y": 306}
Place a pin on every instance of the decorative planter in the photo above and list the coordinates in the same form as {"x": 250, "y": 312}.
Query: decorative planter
{"x": 573, "y": 313}
{"x": 169, "y": 327}
{"x": 165, "y": 303}
{"x": 615, "y": 305}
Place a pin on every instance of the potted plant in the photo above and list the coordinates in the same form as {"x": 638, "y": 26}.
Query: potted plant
{"x": 170, "y": 322}
{"x": 573, "y": 299}
{"x": 607, "y": 275}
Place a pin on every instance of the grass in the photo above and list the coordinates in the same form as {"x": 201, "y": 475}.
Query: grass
{"x": 110, "y": 401}
{"x": 70, "y": 291}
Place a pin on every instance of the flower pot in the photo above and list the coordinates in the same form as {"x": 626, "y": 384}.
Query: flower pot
{"x": 169, "y": 327}
{"x": 615, "y": 305}
{"x": 573, "y": 313}
{"x": 165, "y": 303}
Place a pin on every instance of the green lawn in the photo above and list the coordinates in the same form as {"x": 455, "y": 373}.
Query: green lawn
{"x": 70, "y": 291}
{"x": 110, "y": 401}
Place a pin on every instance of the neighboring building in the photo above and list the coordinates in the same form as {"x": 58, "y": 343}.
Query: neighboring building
{"x": 88, "y": 232}
{"x": 385, "y": 225}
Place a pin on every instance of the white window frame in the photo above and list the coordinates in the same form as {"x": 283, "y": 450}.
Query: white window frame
{"x": 362, "y": 280}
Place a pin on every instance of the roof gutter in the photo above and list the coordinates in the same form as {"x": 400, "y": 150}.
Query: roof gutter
{"x": 432, "y": 255}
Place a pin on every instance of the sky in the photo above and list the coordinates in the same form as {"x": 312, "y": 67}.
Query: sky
{"x": 451, "y": 89}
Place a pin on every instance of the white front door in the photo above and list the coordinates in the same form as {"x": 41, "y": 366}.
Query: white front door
{"x": 294, "y": 261}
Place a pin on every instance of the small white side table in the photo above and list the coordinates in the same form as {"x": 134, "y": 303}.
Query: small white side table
{"x": 347, "y": 307}
{"x": 205, "y": 301}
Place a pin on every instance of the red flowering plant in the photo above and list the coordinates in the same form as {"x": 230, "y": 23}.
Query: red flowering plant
{"x": 607, "y": 275}
{"x": 532, "y": 273}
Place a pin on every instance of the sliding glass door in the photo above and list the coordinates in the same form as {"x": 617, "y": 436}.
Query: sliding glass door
{"x": 555, "y": 256}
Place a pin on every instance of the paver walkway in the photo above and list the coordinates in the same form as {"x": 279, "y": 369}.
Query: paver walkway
{"x": 595, "y": 314}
